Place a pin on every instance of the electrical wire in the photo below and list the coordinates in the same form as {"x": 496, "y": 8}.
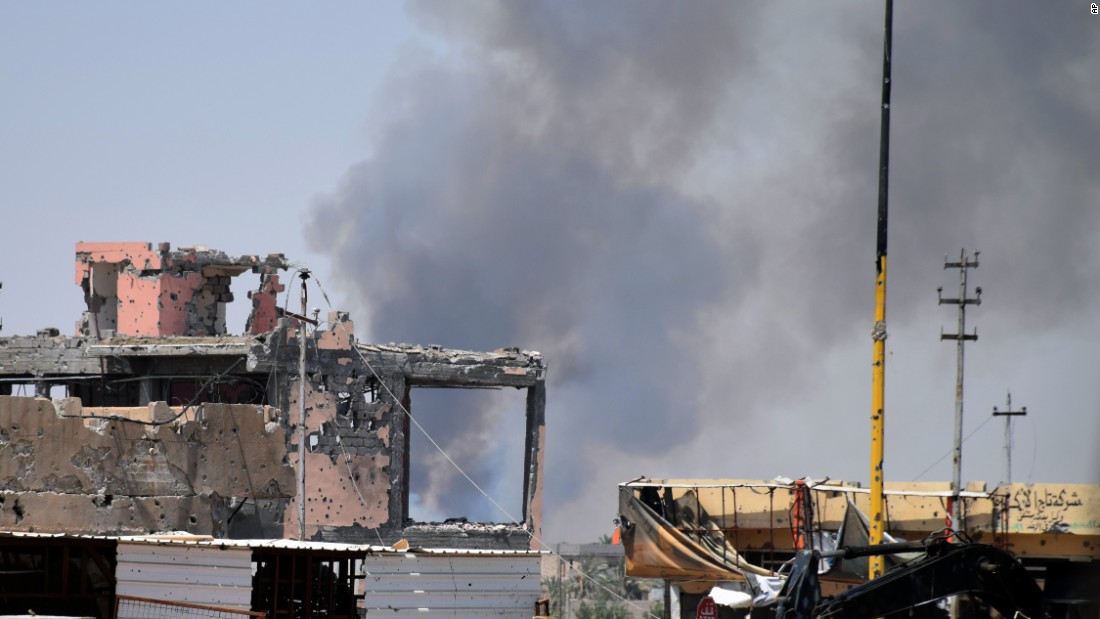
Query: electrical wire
{"x": 351, "y": 477}
{"x": 190, "y": 404}
{"x": 458, "y": 468}
{"x": 941, "y": 458}
{"x": 1034, "y": 448}
{"x": 347, "y": 457}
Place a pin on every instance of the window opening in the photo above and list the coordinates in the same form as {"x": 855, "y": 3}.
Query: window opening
{"x": 484, "y": 432}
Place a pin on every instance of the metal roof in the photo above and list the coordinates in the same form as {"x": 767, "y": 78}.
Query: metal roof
{"x": 822, "y": 487}
{"x": 166, "y": 539}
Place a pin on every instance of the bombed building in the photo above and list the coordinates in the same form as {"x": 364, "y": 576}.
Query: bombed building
{"x": 153, "y": 417}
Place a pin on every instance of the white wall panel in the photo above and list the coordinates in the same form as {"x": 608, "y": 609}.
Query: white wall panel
{"x": 196, "y": 574}
{"x": 428, "y": 586}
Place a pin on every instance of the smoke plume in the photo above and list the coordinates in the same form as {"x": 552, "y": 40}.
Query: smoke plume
{"x": 674, "y": 203}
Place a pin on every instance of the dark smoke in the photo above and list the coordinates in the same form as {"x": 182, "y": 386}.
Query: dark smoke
{"x": 663, "y": 196}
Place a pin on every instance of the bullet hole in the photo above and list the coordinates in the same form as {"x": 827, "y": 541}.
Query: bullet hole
{"x": 193, "y": 520}
{"x": 19, "y": 511}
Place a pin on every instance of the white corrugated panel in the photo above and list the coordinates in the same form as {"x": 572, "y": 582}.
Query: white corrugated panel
{"x": 195, "y": 574}
{"x": 453, "y": 586}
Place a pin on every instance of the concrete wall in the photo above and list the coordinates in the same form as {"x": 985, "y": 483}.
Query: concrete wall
{"x": 64, "y": 468}
{"x": 154, "y": 330}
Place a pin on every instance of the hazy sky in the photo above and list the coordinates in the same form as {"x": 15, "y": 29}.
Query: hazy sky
{"x": 673, "y": 202}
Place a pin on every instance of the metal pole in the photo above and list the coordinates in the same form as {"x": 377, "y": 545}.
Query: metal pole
{"x": 878, "y": 333}
{"x": 302, "y": 412}
{"x": 961, "y": 337}
{"x": 960, "y": 352}
{"x": 1008, "y": 414}
{"x": 1008, "y": 439}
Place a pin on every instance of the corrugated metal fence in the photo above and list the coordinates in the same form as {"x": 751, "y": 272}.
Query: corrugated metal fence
{"x": 195, "y": 574}
{"x": 452, "y": 585}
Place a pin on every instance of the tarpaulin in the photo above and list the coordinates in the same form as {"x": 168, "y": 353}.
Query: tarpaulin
{"x": 680, "y": 543}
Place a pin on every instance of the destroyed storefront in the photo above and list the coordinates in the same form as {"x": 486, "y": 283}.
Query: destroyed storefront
{"x": 734, "y": 540}
{"x": 153, "y": 418}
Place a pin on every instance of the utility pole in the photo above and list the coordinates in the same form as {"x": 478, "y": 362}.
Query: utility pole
{"x": 1008, "y": 414}
{"x": 960, "y": 337}
{"x": 302, "y": 412}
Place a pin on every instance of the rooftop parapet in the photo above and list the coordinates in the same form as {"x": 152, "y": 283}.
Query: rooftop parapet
{"x": 134, "y": 289}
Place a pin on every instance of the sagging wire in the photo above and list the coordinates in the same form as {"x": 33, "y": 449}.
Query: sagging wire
{"x": 442, "y": 452}
{"x": 459, "y": 469}
{"x": 949, "y": 452}
{"x": 352, "y": 479}
{"x": 190, "y": 404}
{"x": 463, "y": 473}
{"x": 1034, "y": 449}
{"x": 339, "y": 441}
{"x": 261, "y": 389}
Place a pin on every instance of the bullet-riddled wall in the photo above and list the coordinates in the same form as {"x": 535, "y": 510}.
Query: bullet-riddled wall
{"x": 153, "y": 340}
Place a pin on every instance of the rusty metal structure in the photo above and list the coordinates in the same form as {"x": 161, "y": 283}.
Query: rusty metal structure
{"x": 698, "y": 534}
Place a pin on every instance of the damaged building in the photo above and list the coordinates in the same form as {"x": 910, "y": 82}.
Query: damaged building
{"x": 152, "y": 417}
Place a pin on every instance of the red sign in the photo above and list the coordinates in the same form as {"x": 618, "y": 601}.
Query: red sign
{"x": 707, "y": 609}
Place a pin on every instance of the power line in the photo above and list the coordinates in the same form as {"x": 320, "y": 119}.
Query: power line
{"x": 948, "y": 453}
{"x": 459, "y": 469}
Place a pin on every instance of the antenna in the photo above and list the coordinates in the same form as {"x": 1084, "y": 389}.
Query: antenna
{"x": 1008, "y": 414}
{"x": 961, "y": 337}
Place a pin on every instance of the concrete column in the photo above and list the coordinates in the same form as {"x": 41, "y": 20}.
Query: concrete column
{"x": 398, "y": 508}
{"x": 533, "y": 458}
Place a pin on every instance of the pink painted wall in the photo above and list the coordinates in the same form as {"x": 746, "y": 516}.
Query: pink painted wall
{"x": 264, "y": 301}
{"x": 155, "y": 305}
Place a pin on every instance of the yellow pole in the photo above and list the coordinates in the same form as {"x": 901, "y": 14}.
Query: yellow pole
{"x": 878, "y": 379}
{"x": 878, "y": 420}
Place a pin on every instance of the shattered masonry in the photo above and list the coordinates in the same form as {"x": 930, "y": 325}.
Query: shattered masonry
{"x": 153, "y": 339}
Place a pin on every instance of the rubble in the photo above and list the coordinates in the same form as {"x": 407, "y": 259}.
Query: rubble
{"x": 165, "y": 405}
